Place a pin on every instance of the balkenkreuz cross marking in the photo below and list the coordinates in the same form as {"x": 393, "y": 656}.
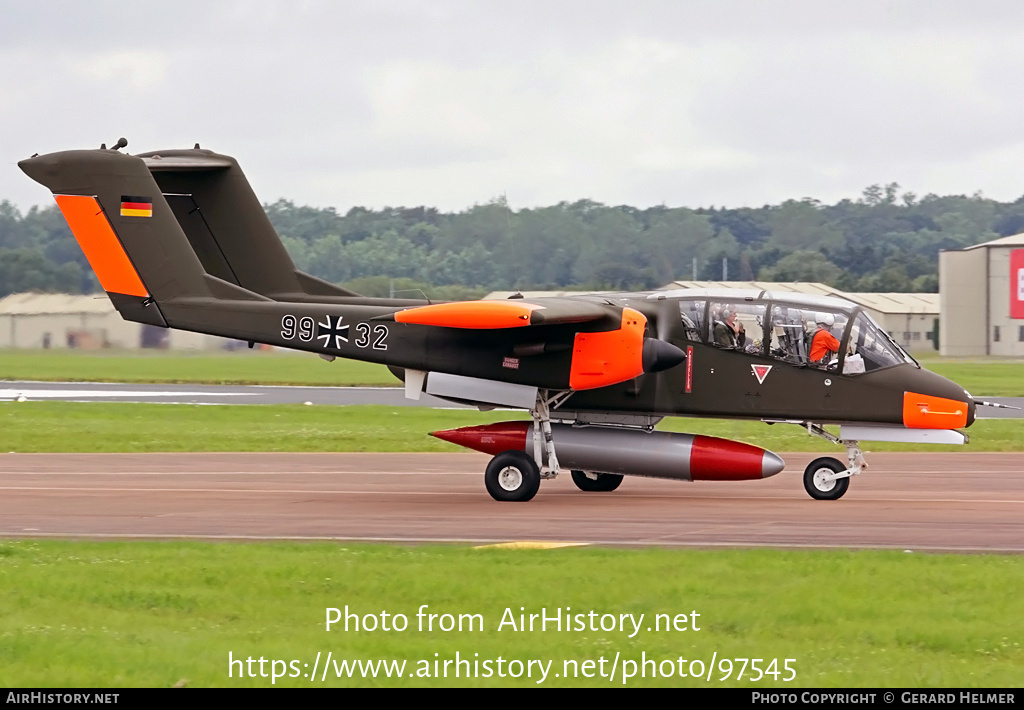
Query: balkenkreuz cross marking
{"x": 325, "y": 332}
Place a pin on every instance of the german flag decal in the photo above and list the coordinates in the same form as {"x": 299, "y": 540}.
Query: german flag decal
{"x": 134, "y": 206}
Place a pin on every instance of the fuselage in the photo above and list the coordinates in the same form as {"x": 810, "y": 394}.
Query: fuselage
{"x": 869, "y": 380}
{"x": 179, "y": 240}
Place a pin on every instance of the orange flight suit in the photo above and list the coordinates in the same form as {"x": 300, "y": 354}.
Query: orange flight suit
{"x": 822, "y": 344}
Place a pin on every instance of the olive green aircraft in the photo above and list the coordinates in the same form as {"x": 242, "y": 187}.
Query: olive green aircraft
{"x": 178, "y": 239}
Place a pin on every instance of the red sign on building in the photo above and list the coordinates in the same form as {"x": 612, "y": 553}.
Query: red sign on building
{"x": 1017, "y": 283}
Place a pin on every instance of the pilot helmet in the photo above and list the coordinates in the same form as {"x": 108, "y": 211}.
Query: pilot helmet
{"x": 825, "y": 319}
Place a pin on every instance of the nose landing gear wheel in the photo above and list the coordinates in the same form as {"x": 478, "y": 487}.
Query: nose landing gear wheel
{"x": 512, "y": 476}
{"x": 605, "y": 482}
{"x": 816, "y": 481}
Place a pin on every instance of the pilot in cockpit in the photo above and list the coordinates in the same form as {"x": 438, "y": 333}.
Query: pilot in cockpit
{"x": 728, "y": 333}
{"x": 823, "y": 343}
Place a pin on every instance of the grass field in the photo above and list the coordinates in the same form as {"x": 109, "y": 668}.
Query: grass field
{"x": 126, "y": 614}
{"x": 991, "y": 378}
{"x": 88, "y": 614}
{"x": 241, "y": 367}
{"x": 27, "y": 427}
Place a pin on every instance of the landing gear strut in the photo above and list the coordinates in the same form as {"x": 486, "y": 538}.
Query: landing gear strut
{"x": 826, "y": 478}
{"x": 514, "y": 475}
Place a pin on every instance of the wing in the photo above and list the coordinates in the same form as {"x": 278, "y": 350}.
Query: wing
{"x": 612, "y": 348}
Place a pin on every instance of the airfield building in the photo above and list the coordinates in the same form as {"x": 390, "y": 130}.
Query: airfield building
{"x": 60, "y": 320}
{"x": 982, "y": 289}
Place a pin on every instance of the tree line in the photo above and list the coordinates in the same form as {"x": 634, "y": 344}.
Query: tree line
{"x": 886, "y": 240}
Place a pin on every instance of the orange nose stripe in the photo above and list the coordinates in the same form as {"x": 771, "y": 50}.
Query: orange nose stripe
{"x": 924, "y": 411}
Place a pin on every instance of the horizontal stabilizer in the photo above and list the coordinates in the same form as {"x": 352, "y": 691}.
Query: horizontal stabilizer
{"x": 177, "y": 161}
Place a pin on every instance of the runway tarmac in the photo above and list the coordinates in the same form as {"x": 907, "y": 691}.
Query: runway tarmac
{"x": 213, "y": 394}
{"x": 965, "y": 502}
{"x": 262, "y": 394}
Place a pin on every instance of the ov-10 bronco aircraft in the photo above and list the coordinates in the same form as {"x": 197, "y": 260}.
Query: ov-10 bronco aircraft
{"x": 178, "y": 239}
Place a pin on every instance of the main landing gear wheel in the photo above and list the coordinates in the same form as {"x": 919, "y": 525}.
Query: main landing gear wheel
{"x": 512, "y": 476}
{"x": 817, "y": 484}
{"x": 604, "y": 483}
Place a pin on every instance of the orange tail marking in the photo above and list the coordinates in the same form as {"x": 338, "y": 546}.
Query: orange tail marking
{"x": 602, "y": 359}
{"x": 923, "y": 411}
{"x": 101, "y": 246}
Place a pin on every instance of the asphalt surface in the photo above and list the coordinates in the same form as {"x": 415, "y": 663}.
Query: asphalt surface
{"x": 253, "y": 394}
{"x": 964, "y": 502}
{"x": 951, "y": 501}
{"x": 214, "y": 394}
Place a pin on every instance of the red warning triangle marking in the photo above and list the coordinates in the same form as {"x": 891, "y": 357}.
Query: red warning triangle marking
{"x": 761, "y": 372}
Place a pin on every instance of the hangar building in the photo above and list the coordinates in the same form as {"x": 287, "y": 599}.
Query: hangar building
{"x": 983, "y": 299}
{"x": 60, "y": 320}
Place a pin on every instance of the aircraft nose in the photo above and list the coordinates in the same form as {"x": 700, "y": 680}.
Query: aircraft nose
{"x": 930, "y": 401}
{"x": 659, "y": 355}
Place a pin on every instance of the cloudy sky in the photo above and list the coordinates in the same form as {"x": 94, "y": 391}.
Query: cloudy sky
{"x": 452, "y": 103}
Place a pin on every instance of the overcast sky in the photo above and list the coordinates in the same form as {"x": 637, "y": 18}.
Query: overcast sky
{"x": 449, "y": 104}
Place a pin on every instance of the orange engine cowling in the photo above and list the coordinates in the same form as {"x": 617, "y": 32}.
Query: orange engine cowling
{"x": 602, "y": 359}
{"x": 610, "y": 357}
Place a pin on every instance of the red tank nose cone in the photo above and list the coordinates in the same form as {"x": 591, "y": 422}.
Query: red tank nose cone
{"x": 488, "y": 438}
{"x": 714, "y": 459}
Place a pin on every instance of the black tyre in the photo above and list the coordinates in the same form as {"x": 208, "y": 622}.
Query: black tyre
{"x": 512, "y": 476}
{"x": 820, "y": 489}
{"x": 605, "y": 482}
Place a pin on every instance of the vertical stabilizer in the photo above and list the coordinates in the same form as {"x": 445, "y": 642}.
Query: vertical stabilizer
{"x": 128, "y": 231}
{"x": 228, "y": 227}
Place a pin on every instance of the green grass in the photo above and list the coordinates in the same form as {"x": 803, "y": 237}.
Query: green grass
{"x": 158, "y": 614}
{"x": 89, "y": 614}
{"x": 240, "y": 367}
{"x": 122, "y": 427}
{"x": 992, "y": 379}
{"x": 28, "y": 427}
{"x": 988, "y": 378}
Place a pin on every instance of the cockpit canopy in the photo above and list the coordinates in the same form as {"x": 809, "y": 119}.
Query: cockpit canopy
{"x": 794, "y": 328}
